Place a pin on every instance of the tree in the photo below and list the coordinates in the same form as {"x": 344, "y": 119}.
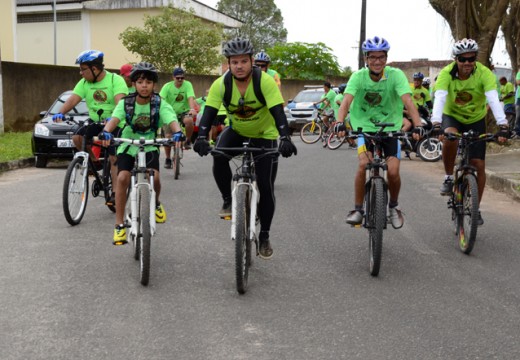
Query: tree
{"x": 304, "y": 61}
{"x": 263, "y": 21}
{"x": 475, "y": 19}
{"x": 176, "y": 38}
{"x": 511, "y": 30}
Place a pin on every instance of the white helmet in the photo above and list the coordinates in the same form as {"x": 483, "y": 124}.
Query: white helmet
{"x": 464, "y": 46}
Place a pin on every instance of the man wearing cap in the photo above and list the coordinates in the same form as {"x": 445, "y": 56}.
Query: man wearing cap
{"x": 180, "y": 95}
{"x": 125, "y": 71}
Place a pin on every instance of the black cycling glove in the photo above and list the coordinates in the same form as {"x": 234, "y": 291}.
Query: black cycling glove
{"x": 503, "y": 132}
{"x": 418, "y": 130}
{"x": 286, "y": 147}
{"x": 201, "y": 146}
{"x": 340, "y": 127}
{"x": 437, "y": 130}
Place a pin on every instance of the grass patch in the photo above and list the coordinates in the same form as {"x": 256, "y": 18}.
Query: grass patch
{"x": 15, "y": 146}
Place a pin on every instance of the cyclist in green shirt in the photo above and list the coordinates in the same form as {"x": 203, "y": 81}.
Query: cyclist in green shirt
{"x": 125, "y": 71}
{"x": 101, "y": 90}
{"x": 461, "y": 91}
{"x": 249, "y": 119}
{"x": 421, "y": 99}
{"x": 507, "y": 95}
{"x": 376, "y": 94}
{"x": 262, "y": 60}
{"x": 327, "y": 101}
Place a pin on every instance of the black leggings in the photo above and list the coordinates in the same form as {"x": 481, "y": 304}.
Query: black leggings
{"x": 265, "y": 169}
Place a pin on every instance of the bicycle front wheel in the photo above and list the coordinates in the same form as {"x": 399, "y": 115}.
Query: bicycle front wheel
{"x": 241, "y": 237}
{"x": 430, "y": 149}
{"x": 75, "y": 191}
{"x": 468, "y": 215}
{"x": 334, "y": 141}
{"x": 144, "y": 233}
{"x": 107, "y": 181}
{"x": 311, "y": 132}
{"x": 376, "y": 215}
{"x": 176, "y": 161}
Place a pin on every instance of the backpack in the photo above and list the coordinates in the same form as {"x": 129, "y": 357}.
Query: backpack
{"x": 155, "y": 103}
{"x": 228, "y": 86}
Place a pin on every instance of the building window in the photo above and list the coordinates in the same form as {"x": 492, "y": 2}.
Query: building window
{"x": 49, "y": 17}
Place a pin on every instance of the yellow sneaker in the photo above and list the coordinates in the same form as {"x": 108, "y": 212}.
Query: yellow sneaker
{"x": 160, "y": 214}
{"x": 119, "y": 235}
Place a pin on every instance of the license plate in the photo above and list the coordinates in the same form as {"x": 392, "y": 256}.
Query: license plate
{"x": 302, "y": 121}
{"x": 65, "y": 143}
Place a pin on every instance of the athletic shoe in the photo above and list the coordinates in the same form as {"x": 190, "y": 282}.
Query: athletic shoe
{"x": 187, "y": 145}
{"x": 112, "y": 200}
{"x": 355, "y": 217}
{"x": 480, "y": 221}
{"x": 168, "y": 164}
{"x": 265, "y": 251}
{"x": 396, "y": 217}
{"x": 160, "y": 214}
{"x": 447, "y": 187}
{"x": 119, "y": 235}
{"x": 226, "y": 209}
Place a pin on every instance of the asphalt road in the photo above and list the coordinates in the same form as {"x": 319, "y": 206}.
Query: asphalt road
{"x": 67, "y": 293}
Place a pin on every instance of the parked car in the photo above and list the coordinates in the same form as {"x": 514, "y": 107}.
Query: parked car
{"x": 53, "y": 140}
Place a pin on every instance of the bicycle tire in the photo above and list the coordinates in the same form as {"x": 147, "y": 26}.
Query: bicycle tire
{"x": 145, "y": 234}
{"x": 334, "y": 141}
{"x": 376, "y": 223}
{"x": 176, "y": 161}
{"x": 107, "y": 181}
{"x": 429, "y": 149}
{"x": 134, "y": 238}
{"x": 468, "y": 215}
{"x": 241, "y": 238}
{"x": 311, "y": 132}
{"x": 75, "y": 191}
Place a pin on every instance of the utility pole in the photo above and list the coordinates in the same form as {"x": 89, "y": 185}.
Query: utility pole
{"x": 55, "y": 41}
{"x": 1, "y": 99}
{"x": 362, "y": 33}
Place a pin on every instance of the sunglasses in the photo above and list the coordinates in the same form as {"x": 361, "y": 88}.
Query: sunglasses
{"x": 263, "y": 66}
{"x": 463, "y": 59}
{"x": 179, "y": 77}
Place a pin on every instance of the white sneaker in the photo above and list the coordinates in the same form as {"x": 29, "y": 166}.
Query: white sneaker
{"x": 396, "y": 217}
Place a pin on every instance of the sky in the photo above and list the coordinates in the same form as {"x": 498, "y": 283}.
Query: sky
{"x": 412, "y": 27}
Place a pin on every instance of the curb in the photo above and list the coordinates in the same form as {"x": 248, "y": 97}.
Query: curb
{"x": 503, "y": 184}
{"x": 16, "y": 164}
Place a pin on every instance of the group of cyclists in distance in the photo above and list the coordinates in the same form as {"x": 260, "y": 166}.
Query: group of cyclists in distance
{"x": 250, "y": 103}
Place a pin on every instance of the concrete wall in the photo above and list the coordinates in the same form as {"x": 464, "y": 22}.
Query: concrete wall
{"x": 29, "y": 89}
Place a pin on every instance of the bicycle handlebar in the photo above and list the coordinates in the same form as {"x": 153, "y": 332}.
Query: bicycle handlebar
{"x": 140, "y": 141}
{"x": 471, "y": 136}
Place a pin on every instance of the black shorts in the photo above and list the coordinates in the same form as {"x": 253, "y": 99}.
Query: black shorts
{"x": 390, "y": 146}
{"x": 126, "y": 162}
{"x": 94, "y": 130}
{"x": 477, "y": 150}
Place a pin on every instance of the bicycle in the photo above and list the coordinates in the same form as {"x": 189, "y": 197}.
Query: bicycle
{"x": 376, "y": 193}
{"x": 76, "y": 184}
{"x": 244, "y": 200}
{"x": 312, "y": 132}
{"x": 178, "y": 154}
{"x": 140, "y": 205}
{"x": 464, "y": 198}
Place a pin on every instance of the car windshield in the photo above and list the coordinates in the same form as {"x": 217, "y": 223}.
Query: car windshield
{"x": 80, "y": 109}
{"x": 308, "y": 96}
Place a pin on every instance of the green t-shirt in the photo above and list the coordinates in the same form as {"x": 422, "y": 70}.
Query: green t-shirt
{"x": 248, "y": 116}
{"x": 518, "y": 87}
{"x": 142, "y": 117}
{"x": 202, "y": 103}
{"x": 178, "y": 97}
{"x": 420, "y": 96}
{"x": 377, "y": 102}
{"x": 466, "y": 100}
{"x": 335, "y": 105}
{"x": 100, "y": 95}
{"x": 506, "y": 89}
{"x": 275, "y": 75}
{"x": 330, "y": 95}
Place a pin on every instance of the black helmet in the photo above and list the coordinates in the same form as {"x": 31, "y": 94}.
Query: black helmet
{"x": 144, "y": 68}
{"x": 237, "y": 46}
{"x": 342, "y": 88}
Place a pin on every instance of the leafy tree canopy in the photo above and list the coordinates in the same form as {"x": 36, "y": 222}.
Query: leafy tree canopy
{"x": 263, "y": 21}
{"x": 304, "y": 61}
{"x": 176, "y": 38}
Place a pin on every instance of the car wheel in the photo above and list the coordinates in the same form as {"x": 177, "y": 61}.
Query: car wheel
{"x": 40, "y": 161}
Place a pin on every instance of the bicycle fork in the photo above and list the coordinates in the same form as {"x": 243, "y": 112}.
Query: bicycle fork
{"x": 252, "y": 208}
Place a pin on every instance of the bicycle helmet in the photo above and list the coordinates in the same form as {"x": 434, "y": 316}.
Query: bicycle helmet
{"x": 145, "y": 68}
{"x": 375, "y": 44}
{"x": 426, "y": 81}
{"x": 262, "y": 56}
{"x": 464, "y": 46}
{"x": 238, "y": 46}
{"x": 342, "y": 88}
{"x": 418, "y": 75}
{"x": 90, "y": 56}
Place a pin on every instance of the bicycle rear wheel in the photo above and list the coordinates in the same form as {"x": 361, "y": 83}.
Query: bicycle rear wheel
{"x": 241, "y": 238}
{"x": 429, "y": 149}
{"x": 468, "y": 215}
{"x": 376, "y": 219}
{"x": 107, "y": 180}
{"x": 334, "y": 141}
{"x": 311, "y": 132}
{"x": 176, "y": 160}
{"x": 144, "y": 234}
{"x": 75, "y": 191}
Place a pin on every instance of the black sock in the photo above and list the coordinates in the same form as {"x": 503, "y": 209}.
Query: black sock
{"x": 264, "y": 235}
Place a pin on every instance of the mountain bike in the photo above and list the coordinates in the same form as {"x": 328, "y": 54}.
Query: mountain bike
{"x": 178, "y": 153}
{"x": 312, "y": 132}
{"x": 244, "y": 201}
{"x": 76, "y": 184}
{"x": 376, "y": 193}
{"x": 140, "y": 205}
{"x": 464, "y": 200}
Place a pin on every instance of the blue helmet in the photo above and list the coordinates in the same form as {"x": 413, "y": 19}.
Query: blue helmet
{"x": 262, "y": 56}
{"x": 375, "y": 44}
{"x": 90, "y": 56}
{"x": 418, "y": 75}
